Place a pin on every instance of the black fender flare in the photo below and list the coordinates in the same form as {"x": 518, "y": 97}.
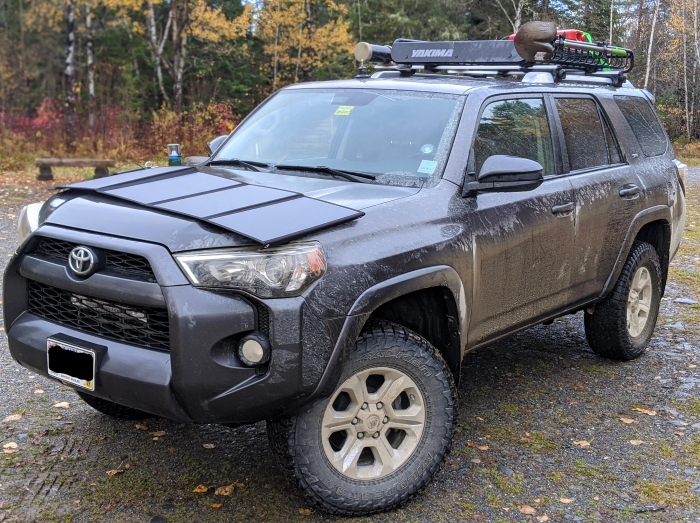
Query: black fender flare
{"x": 652, "y": 214}
{"x": 381, "y": 293}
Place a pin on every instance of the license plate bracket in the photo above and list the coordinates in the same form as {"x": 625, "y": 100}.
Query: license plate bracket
{"x": 74, "y": 364}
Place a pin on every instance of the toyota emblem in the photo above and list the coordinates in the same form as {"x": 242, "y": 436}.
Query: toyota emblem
{"x": 82, "y": 261}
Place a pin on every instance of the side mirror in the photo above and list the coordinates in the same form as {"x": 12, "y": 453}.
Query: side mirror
{"x": 502, "y": 168}
{"x": 506, "y": 173}
{"x": 216, "y": 142}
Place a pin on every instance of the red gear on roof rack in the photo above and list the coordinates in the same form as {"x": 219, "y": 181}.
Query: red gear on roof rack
{"x": 568, "y": 34}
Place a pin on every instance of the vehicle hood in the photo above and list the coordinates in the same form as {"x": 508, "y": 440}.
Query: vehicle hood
{"x": 129, "y": 206}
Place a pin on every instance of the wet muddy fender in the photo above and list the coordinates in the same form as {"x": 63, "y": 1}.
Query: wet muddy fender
{"x": 381, "y": 293}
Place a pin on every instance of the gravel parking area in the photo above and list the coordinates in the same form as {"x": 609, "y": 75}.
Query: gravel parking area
{"x": 547, "y": 431}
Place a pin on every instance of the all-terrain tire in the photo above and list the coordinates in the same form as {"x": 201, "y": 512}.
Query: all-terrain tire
{"x": 298, "y": 442}
{"x": 112, "y": 409}
{"x": 607, "y": 330}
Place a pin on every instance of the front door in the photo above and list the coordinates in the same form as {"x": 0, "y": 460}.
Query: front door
{"x": 522, "y": 241}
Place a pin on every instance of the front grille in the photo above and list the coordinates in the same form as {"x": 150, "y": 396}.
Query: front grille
{"x": 120, "y": 262}
{"x": 141, "y": 326}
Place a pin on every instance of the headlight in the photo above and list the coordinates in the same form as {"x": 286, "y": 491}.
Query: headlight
{"x": 28, "y": 221}
{"x": 278, "y": 272}
{"x": 35, "y": 214}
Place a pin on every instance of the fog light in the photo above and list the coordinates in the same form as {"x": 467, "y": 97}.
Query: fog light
{"x": 254, "y": 349}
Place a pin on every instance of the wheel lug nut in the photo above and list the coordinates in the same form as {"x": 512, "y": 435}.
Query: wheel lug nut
{"x": 380, "y": 405}
{"x": 386, "y": 419}
{"x": 360, "y": 435}
{"x": 375, "y": 435}
{"x": 364, "y": 406}
{"x": 355, "y": 421}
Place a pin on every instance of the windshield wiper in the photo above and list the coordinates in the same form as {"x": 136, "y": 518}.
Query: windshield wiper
{"x": 251, "y": 166}
{"x": 352, "y": 176}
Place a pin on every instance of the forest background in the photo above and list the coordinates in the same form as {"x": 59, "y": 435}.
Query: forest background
{"x": 122, "y": 78}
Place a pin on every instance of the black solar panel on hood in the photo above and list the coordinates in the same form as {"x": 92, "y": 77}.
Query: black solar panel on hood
{"x": 263, "y": 214}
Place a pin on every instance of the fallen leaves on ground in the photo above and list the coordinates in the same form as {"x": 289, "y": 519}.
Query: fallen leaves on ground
{"x": 478, "y": 517}
{"x": 226, "y": 490}
{"x": 62, "y": 405}
{"x": 578, "y": 386}
{"x": 582, "y": 443}
{"x": 691, "y": 366}
{"x": 13, "y": 417}
{"x": 544, "y": 517}
{"x": 140, "y": 426}
{"x": 305, "y": 511}
{"x": 566, "y": 501}
{"x": 479, "y": 447}
{"x": 645, "y": 411}
{"x": 217, "y": 505}
{"x": 527, "y": 510}
{"x": 158, "y": 433}
{"x": 200, "y": 489}
{"x": 9, "y": 448}
{"x": 209, "y": 446}
{"x": 636, "y": 442}
{"x": 114, "y": 472}
{"x": 627, "y": 420}
{"x": 38, "y": 391}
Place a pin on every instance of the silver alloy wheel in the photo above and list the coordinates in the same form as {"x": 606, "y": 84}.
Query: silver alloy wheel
{"x": 639, "y": 302}
{"x": 373, "y": 423}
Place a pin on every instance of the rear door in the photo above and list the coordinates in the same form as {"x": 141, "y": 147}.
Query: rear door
{"x": 522, "y": 242}
{"x": 607, "y": 192}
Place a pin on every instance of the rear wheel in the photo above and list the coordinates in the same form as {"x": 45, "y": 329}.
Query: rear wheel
{"x": 113, "y": 409}
{"x": 381, "y": 435}
{"x": 622, "y": 325}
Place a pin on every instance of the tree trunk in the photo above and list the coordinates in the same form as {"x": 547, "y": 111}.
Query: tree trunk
{"x": 612, "y": 7}
{"x": 69, "y": 76}
{"x": 651, "y": 42}
{"x": 685, "y": 73}
{"x": 180, "y": 24}
{"x": 157, "y": 48}
{"x": 277, "y": 42}
{"x": 308, "y": 66}
{"x": 89, "y": 50}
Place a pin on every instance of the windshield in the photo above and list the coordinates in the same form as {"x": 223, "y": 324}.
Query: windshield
{"x": 398, "y": 137}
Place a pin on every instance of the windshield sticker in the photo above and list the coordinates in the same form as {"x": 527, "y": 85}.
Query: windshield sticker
{"x": 427, "y": 167}
{"x": 344, "y": 110}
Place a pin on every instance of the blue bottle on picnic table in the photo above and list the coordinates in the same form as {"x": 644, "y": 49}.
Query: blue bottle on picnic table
{"x": 174, "y": 154}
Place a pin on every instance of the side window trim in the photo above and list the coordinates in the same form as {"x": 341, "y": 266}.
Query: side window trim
{"x": 471, "y": 163}
{"x": 605, "y": 121}
{"x": 560, "y": 133}
{"x": 561, "y": 159}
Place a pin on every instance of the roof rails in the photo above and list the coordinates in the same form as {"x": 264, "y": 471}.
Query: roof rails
{"x": 536, "y": 48}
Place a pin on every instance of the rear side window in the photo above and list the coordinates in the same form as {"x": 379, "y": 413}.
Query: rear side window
{"x": 644, "y": 123}
{"x": 515, "y": 128}
{"x": 587, "y": 140}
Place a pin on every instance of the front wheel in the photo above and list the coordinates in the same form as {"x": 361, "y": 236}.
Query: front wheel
{"x": 621, "y": 325}
{"x": 381, "y": 435}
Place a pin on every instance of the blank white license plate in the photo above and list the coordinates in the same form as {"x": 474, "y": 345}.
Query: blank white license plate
{"x": 71, "y": 363}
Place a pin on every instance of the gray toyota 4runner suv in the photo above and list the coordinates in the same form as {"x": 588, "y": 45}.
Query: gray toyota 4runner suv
{"x": 328, "y": 267}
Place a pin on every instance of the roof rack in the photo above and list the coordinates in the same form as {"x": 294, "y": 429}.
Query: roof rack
{"x": 536, "y": 48}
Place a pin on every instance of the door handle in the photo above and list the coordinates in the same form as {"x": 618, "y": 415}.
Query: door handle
{"x": 564, "y": 208}
{"x": 629, "y": 190}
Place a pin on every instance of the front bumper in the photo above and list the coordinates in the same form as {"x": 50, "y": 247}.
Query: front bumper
{"x": 200, "y": 378}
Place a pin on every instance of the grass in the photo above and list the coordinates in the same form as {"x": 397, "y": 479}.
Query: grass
{"x": 673, "y": 492}
{"x": 692, "y": 407}
{"x": 592, "y": 472}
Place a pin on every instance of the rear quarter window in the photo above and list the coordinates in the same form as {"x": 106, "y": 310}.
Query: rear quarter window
{"x": 644, "y": 123}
